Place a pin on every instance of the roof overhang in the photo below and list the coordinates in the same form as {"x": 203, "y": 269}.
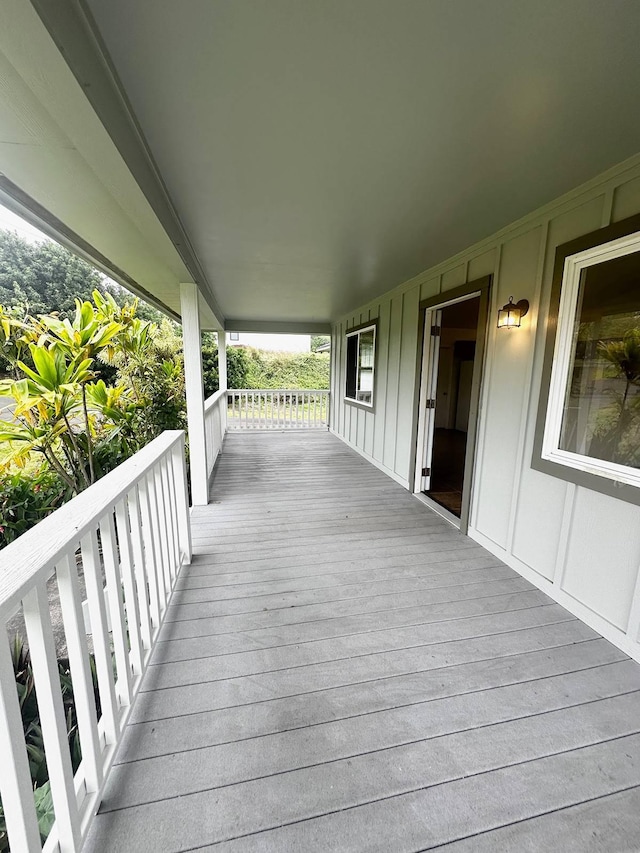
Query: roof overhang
{"x": 296, "y": 159}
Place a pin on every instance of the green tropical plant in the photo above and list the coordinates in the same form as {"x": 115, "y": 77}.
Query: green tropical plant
{"x": 64, "y": 410}
{"x": 24, "y": 500}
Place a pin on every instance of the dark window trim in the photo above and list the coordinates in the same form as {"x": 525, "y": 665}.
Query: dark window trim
{"x": 349, "y": 400}
{"x": 595, "y": 482}
{"x": 464, "y": 290}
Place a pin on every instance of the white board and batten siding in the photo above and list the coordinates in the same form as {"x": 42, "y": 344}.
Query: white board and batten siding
{"x": 579, "y": 546}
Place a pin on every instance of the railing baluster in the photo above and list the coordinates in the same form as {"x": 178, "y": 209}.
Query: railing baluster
{"x": 162, "y": 513}
{"x": 172, "y": 531}
{"x": 152, "y": 559}
{"x": 116, "y": 607}
{"x": 16, "y": 787}
{"x": 164, "y": 579}
{"x": 149, "y": 500}
{"x": 184, "y": 522}
{"x": 46, "y": 678}
{"x": 166, "y": 462}
{"x": 142, "y": 582}
{"x": 78, "y": 651}
{"x": 100, "y": 634}
{"x": 132, "y": 609}
{"x": 273, "y": 409}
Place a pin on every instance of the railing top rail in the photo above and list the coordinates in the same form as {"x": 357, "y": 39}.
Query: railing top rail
{"x": 277, "y": 391}
{"x": 210, "y": 402}
{"x": 38, "y": 550}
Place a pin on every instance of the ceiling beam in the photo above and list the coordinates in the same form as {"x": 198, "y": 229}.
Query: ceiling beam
{"x": 71, "y": 26}
{"x": 13, "y": 198}
{"x": 275, "y": 327}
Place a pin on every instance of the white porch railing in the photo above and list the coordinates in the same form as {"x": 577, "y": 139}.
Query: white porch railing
{"x": 277, "y": 409}
{"x": 215, "y": 425}
{"x": 130, "y": 535}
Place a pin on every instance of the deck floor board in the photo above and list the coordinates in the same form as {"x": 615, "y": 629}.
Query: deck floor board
{"x": 340, "y": 669}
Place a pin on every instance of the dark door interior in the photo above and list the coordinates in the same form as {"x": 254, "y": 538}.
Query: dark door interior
{"x": 459, "y": 329}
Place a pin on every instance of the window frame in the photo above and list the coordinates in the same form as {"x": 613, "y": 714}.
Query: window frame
{"x": 572, "y": 258}
{"x": 370, "y": 325}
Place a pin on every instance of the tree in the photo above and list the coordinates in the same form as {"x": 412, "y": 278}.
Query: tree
{"x": 237, "y": 365}
{"x": 318, "y": 341}
{"x": 46, "y": 278}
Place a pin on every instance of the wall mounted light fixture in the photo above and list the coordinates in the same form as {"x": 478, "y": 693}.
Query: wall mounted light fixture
{"x": 511, "y": 314}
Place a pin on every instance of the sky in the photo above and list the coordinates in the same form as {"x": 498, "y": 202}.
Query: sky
{"x": 10, "y": 222}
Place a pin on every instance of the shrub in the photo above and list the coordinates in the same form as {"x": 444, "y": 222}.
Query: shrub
{"x": 287, "y": 370}
{"x": 25, "y": 498}
{"x": 237, "y": 365}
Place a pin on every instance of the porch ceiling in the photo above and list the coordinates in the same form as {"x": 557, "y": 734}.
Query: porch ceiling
{"x": 317, "y": 154}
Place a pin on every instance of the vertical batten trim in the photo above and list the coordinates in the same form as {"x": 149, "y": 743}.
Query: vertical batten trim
{"x": 566, "y": 526}
{"x": 527, "y": 395}
{"x": 607, "y": 206}
{"x": 487, "y": 368}
{"x": 633, "y": 622}
{"x": 395, "y": 436}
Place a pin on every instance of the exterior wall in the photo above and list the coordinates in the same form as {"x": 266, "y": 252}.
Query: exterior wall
{"x": 581, "y": 547}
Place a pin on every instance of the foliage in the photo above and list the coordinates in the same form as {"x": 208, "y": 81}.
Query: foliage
{"x": 151, "y": 369}
{"x": 318, "y": 341}
{"x": 52, "y": 414}
{"x": 237, "y": 365}
{"x": 65, "y": 411}
{"x": 254, "y": 368}
{"x": 44, "y": 277}
{"x": 24, "y": 500}
{"x": 287, "y": 370}
{"x": 33, "y": 733}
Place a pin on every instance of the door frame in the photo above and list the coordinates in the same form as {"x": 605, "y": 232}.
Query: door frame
{"x": 480, "y": 287}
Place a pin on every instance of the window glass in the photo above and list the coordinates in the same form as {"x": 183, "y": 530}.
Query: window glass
{"x": 365, "y": 367}
{"x": 601, "y": 413}
{"x": 360, "y": 365}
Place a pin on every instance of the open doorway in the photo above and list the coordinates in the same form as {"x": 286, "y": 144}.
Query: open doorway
{"x": 451, "y": 369}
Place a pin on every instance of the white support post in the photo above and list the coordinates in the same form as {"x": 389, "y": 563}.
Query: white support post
{"x": 195, "y": 394}
{"x": 222, "y": 360}
{"x": 223, "y": 381}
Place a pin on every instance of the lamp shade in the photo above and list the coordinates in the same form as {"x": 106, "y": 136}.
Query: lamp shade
{"x": 511, "y": 314}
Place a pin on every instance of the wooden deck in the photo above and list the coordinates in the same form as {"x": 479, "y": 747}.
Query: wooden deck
{"x": 341, "y": 670}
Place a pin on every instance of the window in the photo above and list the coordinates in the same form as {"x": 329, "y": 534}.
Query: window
{"x": 592, "y": 419}
{"x": 361, "y": 354}
{"x": 234, "y": 336}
